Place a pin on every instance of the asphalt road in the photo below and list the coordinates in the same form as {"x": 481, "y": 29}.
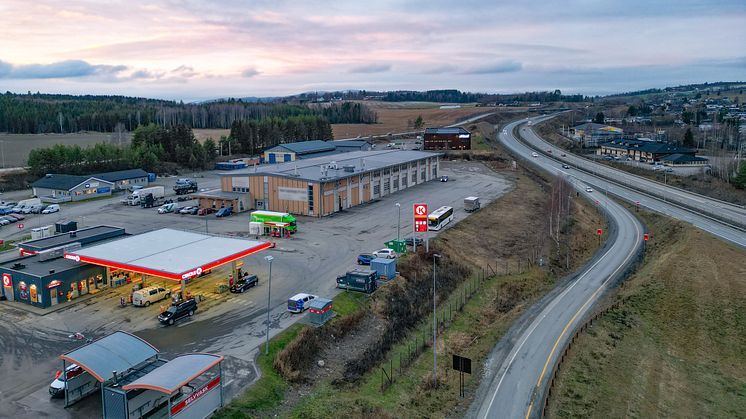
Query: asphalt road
{"x": 515, "y": 388}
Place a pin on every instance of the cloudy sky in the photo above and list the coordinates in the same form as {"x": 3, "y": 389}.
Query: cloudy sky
{"x": 193, "y": 50}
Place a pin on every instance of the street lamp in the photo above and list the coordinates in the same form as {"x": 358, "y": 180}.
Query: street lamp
{"x": 398, "y": 223}
{"x": 269, "y": 291}
{"x": 435, "y": 327}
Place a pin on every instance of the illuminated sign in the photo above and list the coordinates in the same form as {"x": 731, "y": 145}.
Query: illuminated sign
{"x": 72, "y": 257}
{"x": 420, "y": 218}
{"x": 7, "y": 283}
{"x": 190, "y": 274}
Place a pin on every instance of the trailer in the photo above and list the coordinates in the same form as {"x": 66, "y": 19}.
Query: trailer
{"x": 136, "y": 198}
{"x": 363, "y": 280}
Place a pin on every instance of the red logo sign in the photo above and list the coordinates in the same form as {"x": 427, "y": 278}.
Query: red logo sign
{"x": 20, "y": 226}
{"x": 645, "y": 237}
{"x": 7, "y": 283}
{"x": 420, "y": 218}
{"x": 599, "y": 232}
{"x": 190, "y": 274}
{"x": 72, "y": 257}
{"x": 195, "y": 396}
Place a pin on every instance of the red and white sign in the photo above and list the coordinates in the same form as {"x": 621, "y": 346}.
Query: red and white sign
{"x": 420, "y": 218}
{"x": 190, "y": 274}
{"x": 72, "y": 257}
{"x": 645, "y": 237}
{"x": 20, "y": 226}
{"x": 599, "y": 232}
{"x": 178, "y": 407}
{"x": 7, "y": 283}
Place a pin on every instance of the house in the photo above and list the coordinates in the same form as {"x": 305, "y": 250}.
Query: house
{"x": 683, "y": 160}
{"x": 643, "y": 149}
{"x": 56, "y": 188}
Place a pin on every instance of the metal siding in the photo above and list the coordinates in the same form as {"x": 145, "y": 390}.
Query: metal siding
{"x": 114, "y": 405}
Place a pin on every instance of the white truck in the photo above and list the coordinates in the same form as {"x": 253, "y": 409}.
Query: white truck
{"x": 27, "y": 204}
{"x": 471, "y": 203}
{"x": 158, "y": 192}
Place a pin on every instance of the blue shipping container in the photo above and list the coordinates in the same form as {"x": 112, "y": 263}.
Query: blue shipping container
{"x": 151, "y": 177}
{"x": 386, "y": 268}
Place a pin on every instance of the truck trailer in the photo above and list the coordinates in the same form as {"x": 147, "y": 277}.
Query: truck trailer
{"x": 471, "y": 204}
{"x": 136, "y": 198}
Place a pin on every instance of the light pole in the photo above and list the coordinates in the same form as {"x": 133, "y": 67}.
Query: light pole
{"x": 2, "y": 150}
{"x": 398, "y": 223}
{"x": 435, "y": 327}
{"x": 269, "y": 291}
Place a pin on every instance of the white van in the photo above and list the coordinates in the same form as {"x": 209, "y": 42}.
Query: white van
{"x": 166, "y": 208}
{"x": 300, "y": 302}
{"x": 149, "y": 295}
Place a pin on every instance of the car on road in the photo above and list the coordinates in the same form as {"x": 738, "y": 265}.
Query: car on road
{"x": 166, "y": 208}
{"x": 385, "y": 253}
{"x": 18, "y": 217}
{"x": 205, "y": 211}
{"x": 244, "y": 283}
{"x": 564, "y": 166}
{"x": 588, "y": 189}
{"x": 549, "y": 150}
{"x": 300, "y": 302}
{"x": 185, "y": 210}
{"x": 564, "y": 154}
{"x": 365, "y": 258}
{"x": 534, "y": 154}
{"x": 411, "y": 241}
{"x": 224, "y": 212}
{"x": 668, "y": 169}
{"x": 177, "y": 311}
{"x": 444, "y": 178}
{"x": 51, "y": 208}
{"x": 57, "y": 388}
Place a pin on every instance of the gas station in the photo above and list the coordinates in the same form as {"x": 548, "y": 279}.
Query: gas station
{"x": 175, "y": 255}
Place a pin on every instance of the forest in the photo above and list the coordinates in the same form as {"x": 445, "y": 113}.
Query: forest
{"x": 46, "y": 113}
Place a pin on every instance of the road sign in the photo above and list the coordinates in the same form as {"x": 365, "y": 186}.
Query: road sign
{"x": 599, "y": 232}
{"x": 420, "y": 218}
{"x": 20, "y": 226}
{"x": 462, "y": 364}
{"x": 645, "y": 236}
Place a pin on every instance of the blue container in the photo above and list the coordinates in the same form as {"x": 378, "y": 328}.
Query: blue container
{"x": 151, "y": 177}
{"x": 386, "y": 268}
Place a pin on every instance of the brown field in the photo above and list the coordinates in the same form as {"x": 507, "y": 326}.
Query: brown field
{"x": 15, "y": 148}
{"x": 201, "y": 134}
{"x": 399, "y": 116}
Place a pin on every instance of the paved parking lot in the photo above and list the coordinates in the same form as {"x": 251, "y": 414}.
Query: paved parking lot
{"x": 232, "y": 325}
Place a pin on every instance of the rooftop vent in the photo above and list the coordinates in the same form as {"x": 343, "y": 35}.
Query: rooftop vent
{"x": 18, "y": 266}
{"x": 349, "y": 168}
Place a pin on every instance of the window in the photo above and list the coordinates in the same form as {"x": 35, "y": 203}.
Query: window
{"x": 414, "y": 177}
{"x": 422, "y": 173}
{"x": 386, "y": 171}
{"x": 376, "y": 189}
{"x": 396, "y": 183}
{"x": 310, "y": 198}
{"x": 404, "y": 182}
{"x": 386, "y": 187}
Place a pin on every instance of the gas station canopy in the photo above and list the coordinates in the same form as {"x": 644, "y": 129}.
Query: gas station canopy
{"x": 119, "y": 351}
{"x": 176, "y": 373}
{"x": 168, "y": 253}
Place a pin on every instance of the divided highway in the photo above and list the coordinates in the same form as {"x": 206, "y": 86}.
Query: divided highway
{"x": 516, "y": 390}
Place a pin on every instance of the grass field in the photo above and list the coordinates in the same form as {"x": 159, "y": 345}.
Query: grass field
{"x": 398, "y": 117}
{"x": 16, "y": 147}
{"x": 676, "y": 347}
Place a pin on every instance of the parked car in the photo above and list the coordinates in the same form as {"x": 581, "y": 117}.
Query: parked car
{"x": 224, "y": 212}
{"x": 411, "y": 241}
{"x": 57, "y": 388}
{"x": 9, "y": 218}
{"x": 193, "y": 211}
{"x": 564, "y": 166}
{"x": 4, "y": 221}
{"x": 178, "y": 311}
{"x": 166, "y": 208}
{"x": 444, "y": 178}
{"x": 588, "y": 189}
{"x": 149, "y": 295}
{"x": 50, "y": 209}
{"x": 185, "y": 210}
{"x": 385, "y": 253}
{"x": 365, "y": 258}
{"x": 299, "y": 302}
{"x": 18, "y": 217}
{"x": 534, "y": 154}
{"x": 205, "y": 211}
{"x": 668, "y": 169}
{"x": 244, "y": 283}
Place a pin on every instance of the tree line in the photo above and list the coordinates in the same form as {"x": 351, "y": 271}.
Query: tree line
{"x": 46, "y": 113}
{"x": 252, "y": 137}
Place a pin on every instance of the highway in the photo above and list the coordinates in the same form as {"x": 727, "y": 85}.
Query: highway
{"x": 515, "y": 390}
{"x": 519, "y": 367}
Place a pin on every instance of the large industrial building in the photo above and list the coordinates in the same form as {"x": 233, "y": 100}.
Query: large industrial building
{"x": 455, "y": 138}
{"x": 311, "y": 149}
{"x": 323, "y": 185}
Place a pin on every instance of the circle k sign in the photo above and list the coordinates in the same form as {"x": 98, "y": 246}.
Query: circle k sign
{"x": 420, "y": 210}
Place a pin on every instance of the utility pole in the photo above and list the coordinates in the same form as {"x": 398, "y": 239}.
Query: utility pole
{"x": 435, "y": 328}
{"x": 269, "y": 291}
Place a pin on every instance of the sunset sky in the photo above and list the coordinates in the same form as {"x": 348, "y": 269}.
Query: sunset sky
{"x": 193, "y": 50}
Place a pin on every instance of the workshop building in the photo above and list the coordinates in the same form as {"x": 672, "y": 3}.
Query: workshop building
{"x": 323, "y": 185}
{"x": 57, "y": 188}
{"x": 455, "y": 138}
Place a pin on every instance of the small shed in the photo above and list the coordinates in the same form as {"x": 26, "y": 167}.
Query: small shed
{"x": 386, "y": 268}
{"x": 321, "y": 311}
{"x": 400, "y": 246}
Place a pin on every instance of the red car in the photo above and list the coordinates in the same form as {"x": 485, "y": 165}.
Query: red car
{"x": 205, "y": 211}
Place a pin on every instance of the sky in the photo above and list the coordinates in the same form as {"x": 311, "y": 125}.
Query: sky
{"x": 195, "y": 50}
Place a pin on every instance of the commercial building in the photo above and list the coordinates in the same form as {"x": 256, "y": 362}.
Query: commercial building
{"x": 42, "y": 277}
{"x": 323, "y": 185}
{"x": 455, "y": 138}
{"x": 56, "y": 188}
{"x": 592, "y": 134}
{"x": 310, "y": 149}
{"x": 650, "y": 151}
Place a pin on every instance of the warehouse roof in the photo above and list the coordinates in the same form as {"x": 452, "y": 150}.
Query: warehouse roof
{"x": 119, "y": 351}
{"x": 82, "y": 236}
{"x": 317, "y": 168}
{"x": 682, "y": 158}
{"x": 168, "y": 253}
{"x": 121, "y": 175}
{"x": 305, "y": 147}
{"x": 175, "y": 374}
{"x": 446, "y": 131}
{"x": 63, "y": 182}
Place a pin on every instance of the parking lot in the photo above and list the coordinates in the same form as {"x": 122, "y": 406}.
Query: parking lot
{"x": 228, "y": 324}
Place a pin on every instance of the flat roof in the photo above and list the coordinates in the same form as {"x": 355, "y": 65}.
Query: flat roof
{"x": 446, "y": 130}
{"x": 65, "y": 238}
{"x": 176, "y": 373}
{"x": 310, "y": 169}
{"x": 168, "y": 253}
{"x": 40, "y": 268}
{"x": 119, "y": 351}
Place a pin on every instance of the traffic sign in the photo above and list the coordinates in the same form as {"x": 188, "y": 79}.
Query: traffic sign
{"x": 20, "y": 226}
{"x": 645, "y": 236}
{"x": 7, "y": 283}
{"x": 599, "y": 231}
{"x": 420, "y": 218}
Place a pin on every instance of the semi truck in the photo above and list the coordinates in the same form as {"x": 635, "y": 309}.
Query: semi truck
{"x": 185, "y": 186}
{"x": 136, "y": 198}
{"x": 471, "y": 204}
{"x": 363, "y": 280}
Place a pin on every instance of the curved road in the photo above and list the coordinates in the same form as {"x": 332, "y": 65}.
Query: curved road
{"x": 515, "y": 391}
